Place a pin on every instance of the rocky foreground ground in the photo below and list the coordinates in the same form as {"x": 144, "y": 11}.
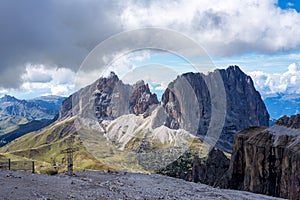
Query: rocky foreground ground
{"x": 102, "y": 185}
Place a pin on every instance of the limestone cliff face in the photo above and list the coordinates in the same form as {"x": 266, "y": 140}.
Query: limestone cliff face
{"x": 186, "y": 103}
{"x": 244, "y": 106}
{"x": 141, "y": 99}
{"x": 267, "y": 160}
{"x": 109, "y": 98}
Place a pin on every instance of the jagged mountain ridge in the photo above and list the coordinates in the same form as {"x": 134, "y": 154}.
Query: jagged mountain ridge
{"x": 244, "y": 106}
{"x": 11, "y": 106}
{"x": 109, "y": 98}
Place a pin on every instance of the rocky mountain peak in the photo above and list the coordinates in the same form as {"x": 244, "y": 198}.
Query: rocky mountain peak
{"x": 8, "y": 98}
{"x": 234, "y": 73}
{"x": 245, "y": 106}
{"x": 141, "y": 98}
{"x": 107, "y": 84}
{"x": 109, "y": 98}
{"x": 186, "y": 103}
{"x": 234, "y": 68}
{"x": 289, "y": 122}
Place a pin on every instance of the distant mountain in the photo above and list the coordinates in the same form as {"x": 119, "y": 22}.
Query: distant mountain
{"x": 51, "y": 102}
{"x": 283, "y": 105}
{"x": 40, "y": 108}
{"x": 19, "y": 117}
{"x": 11, "y": 106}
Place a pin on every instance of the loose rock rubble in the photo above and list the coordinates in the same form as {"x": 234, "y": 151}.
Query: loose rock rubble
{"x": 102, "y": 185}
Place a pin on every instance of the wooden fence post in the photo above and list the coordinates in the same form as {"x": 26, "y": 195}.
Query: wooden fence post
{"x": 9, "y": 164}
{"x": 33, "y": 167}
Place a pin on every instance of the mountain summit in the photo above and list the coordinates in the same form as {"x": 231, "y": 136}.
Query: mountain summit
{"x": 109, "y": 98}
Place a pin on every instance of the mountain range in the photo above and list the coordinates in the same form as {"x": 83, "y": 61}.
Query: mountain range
{"x": 117, "y": 126}
{"x": 18, "y": 117}
{"x": 125, "y": 126}
{"x": 35, "y": 109}
{"x": 186, "y": 104}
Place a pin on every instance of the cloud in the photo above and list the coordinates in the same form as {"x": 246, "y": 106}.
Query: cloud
{"x": 270, "y": 84}
{"x": 52, "y": 32}
{"x": 222, "y": 27}
{"x": 36, "y": 73}
{"x": 48, "y": 79}
{"x": 293, "y": 68}
{"x": 3, "y": 92}
{"x": 62, "y": 33}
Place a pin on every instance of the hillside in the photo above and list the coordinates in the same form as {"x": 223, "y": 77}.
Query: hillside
{"x": 11, "y": 123}
{"x": 19, "y": 117}
{"x": 46, "y": 146}
{"x": 98, "y": 151}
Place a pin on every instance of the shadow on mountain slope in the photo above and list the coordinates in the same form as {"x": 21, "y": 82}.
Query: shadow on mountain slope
{"x": 23, "y": 129}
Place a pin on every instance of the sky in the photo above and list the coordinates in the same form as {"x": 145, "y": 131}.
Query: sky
{"x": 43, "y": 43}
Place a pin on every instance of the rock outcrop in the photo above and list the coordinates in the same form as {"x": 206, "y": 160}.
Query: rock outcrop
{"x": 109, "y": 98}
{"x": 267, "y": 160}
{"x": 244, "y": 106}
{"x": 141, "y": 98}
{"x": 186, "y": 104}
{"x": 212, "y": 169}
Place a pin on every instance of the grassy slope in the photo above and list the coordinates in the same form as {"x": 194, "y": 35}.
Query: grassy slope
{"x": 95, "y": 152}
{"x": 11, "y": 123}
{"x": 46, "y": 146}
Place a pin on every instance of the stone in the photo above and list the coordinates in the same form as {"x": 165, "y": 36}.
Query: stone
{"x": 245, "y": 106}
{"x": 267, "y": 160}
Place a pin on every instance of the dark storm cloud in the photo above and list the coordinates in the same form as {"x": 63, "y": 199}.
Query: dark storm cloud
{"x": 51, "y": 32}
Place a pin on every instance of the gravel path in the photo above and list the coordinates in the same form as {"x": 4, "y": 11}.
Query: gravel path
{"x": 114, "y": 186}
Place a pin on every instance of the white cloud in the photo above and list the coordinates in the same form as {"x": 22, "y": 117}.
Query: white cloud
{"x": 222, "y": 27}
{"x": 293, "y": 68}
{"x": 3, "y": 92}
{"x": 36, "y": 73}
{"x": 47, "y": 79}
{"x": 128, "y": 62}
{"x": 270, "y": 84}
{"x": 121, "y": 65}
{"x": 60, "y": 90}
